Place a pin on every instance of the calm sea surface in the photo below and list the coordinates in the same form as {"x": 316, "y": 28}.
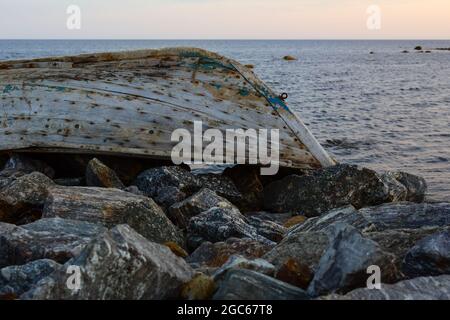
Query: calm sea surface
{"x": 388, "y": 110}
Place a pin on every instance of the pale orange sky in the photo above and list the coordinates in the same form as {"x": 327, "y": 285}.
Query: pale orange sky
{"x": 229, "y": 19}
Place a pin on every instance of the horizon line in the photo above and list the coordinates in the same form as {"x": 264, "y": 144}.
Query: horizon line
{"x": 225, "y": 39}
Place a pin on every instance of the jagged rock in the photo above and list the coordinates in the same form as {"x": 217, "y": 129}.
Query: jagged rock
{"x": 294, "y": 272}
{"x": 56, "y": 239}
{"x": 24, "y": 198}
{"x": 429, "y": 257}
{"x": 201, "y": 287}
{"x": 216, "y": 254}
{"x": 305, "y": 247}
{"x": 425, "y": 288}
{"x": 167, "y": 185}
{"x": 99, "y": 175}
{"x": 326, "y": 189}
{"x": 22, "y": 163}
{"x": 239, "y": 262}
{"x": 219, "y": 224}
{"x": 344, "y": 264}
{"x": 249, "y": 185}
{"x": 70, "y": 182}
{"x": 222, "y": 185}
{"x": 241, "y": 284}
{"x": 400, "y": 241}
{"x": 346, "y": 214}
{"x": 416, "y": 187}
{"x": 15, "y": 280}
{"x": 119, "y": 264}
{"x": 180, "y": 213}
{"x": 407, "y": 215}
{"x": 268, "y": 229}
{"x": 295, "y": 221}
{"x": 278, "y": 218}
{"x": 111, "y": 207}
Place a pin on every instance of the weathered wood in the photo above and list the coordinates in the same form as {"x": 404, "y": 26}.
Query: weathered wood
{"x": 130, "y": 103}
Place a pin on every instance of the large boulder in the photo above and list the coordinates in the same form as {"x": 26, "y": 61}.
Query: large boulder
{"x": 400, "y": 241}
{"x": 22, "y": 200}
{"x": 111, "y": 207}
{"x": 407, "y": 215}
{"x": 344, "y": 264}
{"x": 241, "y": 284}
{"x": 56, "y": 239}
{"x": 214, "y": 255}
{"x": 429, "y": 257}
{"x": 16, "y": 280}
{"x": 220, "y": 224}
{"x": 118, "y": 264}
{"x": 167, "y": 185}
{"x": 330, "y": 188}
{"x": 100, "y": 175}
{"x": 180, "y": 213}
{"x": 425, "y": 288}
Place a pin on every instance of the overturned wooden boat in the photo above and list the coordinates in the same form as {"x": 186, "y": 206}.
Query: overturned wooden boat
{"x": 129, "y": 103}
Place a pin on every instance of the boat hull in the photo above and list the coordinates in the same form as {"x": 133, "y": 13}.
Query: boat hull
{"x": 130, "y": 103}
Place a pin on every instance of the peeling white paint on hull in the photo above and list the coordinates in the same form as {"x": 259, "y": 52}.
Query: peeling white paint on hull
{"x": 128, "y": 103}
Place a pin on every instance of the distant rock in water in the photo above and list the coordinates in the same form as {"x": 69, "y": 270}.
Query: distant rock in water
{"x": 290, "y": 58}
{"x": 418, "y": 48}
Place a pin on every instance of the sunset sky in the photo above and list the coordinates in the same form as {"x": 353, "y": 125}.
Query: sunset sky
{"x": 225, "y": 19}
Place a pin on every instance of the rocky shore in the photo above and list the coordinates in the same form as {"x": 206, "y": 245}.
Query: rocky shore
{"x": 136, "y": 229}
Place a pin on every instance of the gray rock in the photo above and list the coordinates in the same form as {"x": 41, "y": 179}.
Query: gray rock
{"x": 180, "y": 213}
{"x": 24, "y": 197}
{"x": 429, "y": 257}
{"x": 346, "y": 214}
{"x": 22, "y": 163}
{"x": 111, "y": 207}
{"x": 344, "y": 264}
{"x": 425, "y": 288}
{"x": 400, "y": 241}
{"x": 167, "y": 185}
{"x": 397, "y": 191}
{"x": 416, "y": 187}
{"x": 306, "y": 247}
{"x": 119, "y": 264}
{"x": 99, "y": 175}
{"x": 268, "y": 229}
{"x": 244, "y": 284}
{"x": 326, "y": 189}
{"x": 15, "y": 280}
{"x": 407, "y": 215}
{"x": 55, "y": 239}
{"x": 239, "y": 262}
{"x": 222, "y": 185}
{"x": 214, "y": 255}
{"x": 219, "y": 224}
